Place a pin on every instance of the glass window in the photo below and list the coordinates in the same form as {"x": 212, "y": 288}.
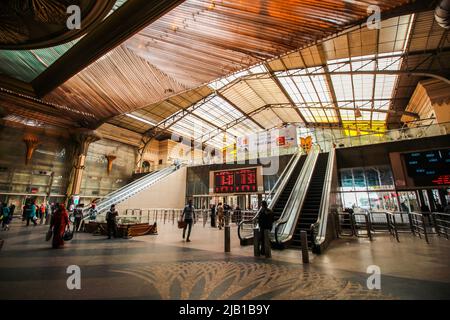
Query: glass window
{"x": 359, "y": 179}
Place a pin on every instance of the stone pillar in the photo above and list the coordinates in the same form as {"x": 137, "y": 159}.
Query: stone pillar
{"x": 83, "y": 138}
{"x": 32, "y": 142}
{"x": 110, "y": 159}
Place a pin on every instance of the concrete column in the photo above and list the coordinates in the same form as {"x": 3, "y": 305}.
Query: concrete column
{"x": 304, "y": 244}
{"x": 227, "y": 233}
{"x": 83, "y": 138}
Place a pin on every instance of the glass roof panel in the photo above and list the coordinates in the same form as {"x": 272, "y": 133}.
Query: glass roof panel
{"x": 303, "y": 86}
{"x": 217, "y": 111}
{"x": 220, "y": 83}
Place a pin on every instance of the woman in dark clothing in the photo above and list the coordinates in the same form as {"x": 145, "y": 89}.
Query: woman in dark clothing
{"x": 60, "y": 221}
{"x": 213, "y": 216}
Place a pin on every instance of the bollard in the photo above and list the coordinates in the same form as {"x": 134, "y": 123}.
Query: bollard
{"x": 256, "y": 251}
{"x": 267, "y": 247}
{"x": 227, "y": 238}
{"x": 304, "y": 243}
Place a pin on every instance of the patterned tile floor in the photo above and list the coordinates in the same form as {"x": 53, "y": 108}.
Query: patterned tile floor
{"x": 163, "y": 266}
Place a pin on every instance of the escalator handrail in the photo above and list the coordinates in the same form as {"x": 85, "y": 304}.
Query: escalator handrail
{"x": 277, "y": 188}
{"x": 135, "y": 182}
{"x": 139, "y": 180}
{"x": 133, "y": 189}
{"x": 292, "y": 209}
{"x": 321, "y": 224}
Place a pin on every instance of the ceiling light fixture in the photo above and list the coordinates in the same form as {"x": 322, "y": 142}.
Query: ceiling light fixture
{"x": 140, "y": 119}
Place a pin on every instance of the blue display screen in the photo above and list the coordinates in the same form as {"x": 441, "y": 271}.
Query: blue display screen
{"x": 428, "y": 168}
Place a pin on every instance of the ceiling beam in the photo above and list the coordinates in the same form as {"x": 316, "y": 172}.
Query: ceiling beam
{"x": 419, "y": 73}
{"x": 176, "y": 117}
{"x": 288, "y": 97}
{"x": 240, "y": 110}
{"x": 68, "y": 117}
{"x": 18, "y": 86}
{"x": 323, "y": 59}
{"x": 190, "y": 112}
{"x": 129, "y": 19}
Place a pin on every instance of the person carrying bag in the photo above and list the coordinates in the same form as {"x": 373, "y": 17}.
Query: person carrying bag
{"x": 188, "y": 217}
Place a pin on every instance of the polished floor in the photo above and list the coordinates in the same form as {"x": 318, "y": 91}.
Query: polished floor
{"x": 163, "y": 266}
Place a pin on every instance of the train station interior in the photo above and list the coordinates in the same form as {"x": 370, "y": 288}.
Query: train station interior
{"x": 225, "y": 149}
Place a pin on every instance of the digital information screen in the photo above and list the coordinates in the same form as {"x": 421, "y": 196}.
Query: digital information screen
{"x": 429, "y": 168}
{"x": 234, "y": 181}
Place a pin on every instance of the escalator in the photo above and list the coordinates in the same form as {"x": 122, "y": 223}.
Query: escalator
{"x": 284, "y": 196}
{"x": 311, "y": 205}
{"x": 131, "y": 189}
{"x": 276, "y": 197}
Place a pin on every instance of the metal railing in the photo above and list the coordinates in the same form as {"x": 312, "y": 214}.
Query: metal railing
{"x": 168, "y": 215}
{"x": 419, "y": 225}
{"x": 442, "y": 223}
{"x": 344, "y": 224}
{"x": 357, "y": 224}
{"x": 284, "y": 228}
{"x": 406, "y": 133}
{"x": 341, "y": 139}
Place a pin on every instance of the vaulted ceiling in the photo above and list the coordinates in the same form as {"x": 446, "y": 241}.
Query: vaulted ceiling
{"x": 162, "y": 60}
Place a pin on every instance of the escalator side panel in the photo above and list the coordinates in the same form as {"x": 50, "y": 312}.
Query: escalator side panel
{"x": 284, "y": 196}
{"x": 311, "y": 205}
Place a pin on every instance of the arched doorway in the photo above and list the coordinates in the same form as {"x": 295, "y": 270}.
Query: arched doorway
{"x": 146, "y": 166}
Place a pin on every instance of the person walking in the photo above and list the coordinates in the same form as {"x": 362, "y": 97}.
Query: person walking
{"x": 59, "y": 223}
{"x": 78, "y": 214}
{"x": 213, "y": 215}
{"x": 189, "y": 218}
{"x": 237, "y": 215}
{"x": 47, "y": 213}
{"x": 111, "y": 222}
{"x": 92, "y": 212}
{"x": 31, "y": 213}
{"x": 12, "y": 208}
{"x": 265, "y": 221}
{"x": 6, "y": 215}
{"x": 220, "y": 213}
{"x": 41, "y": 213}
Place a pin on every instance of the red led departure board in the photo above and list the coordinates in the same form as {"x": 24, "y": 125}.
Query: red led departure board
{"x": 234, "y": 181}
